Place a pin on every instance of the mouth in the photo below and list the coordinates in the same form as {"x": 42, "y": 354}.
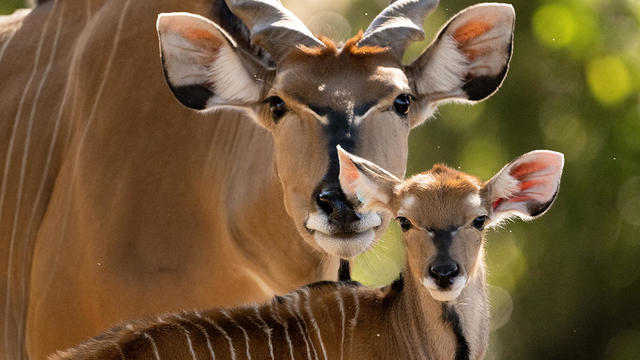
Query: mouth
{"x": 343, "y": 244}
{"x": 447, "y": 294}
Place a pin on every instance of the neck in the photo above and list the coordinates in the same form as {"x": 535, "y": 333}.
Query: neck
{"x": 430, "y": 329}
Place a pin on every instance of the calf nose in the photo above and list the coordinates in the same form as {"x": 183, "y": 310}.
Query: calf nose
{"x": 340, "y": 212}
{"x": 444, "y": 273}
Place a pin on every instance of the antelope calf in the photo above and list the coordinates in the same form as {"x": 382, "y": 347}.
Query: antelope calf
{"x": 437, "y": 309}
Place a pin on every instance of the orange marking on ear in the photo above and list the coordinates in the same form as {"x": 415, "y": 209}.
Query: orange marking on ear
{"x": 527, "y": 168}
{"x": 471, "y": 30}
{"x": 197, "y": 34}
{"x": 348, "y": 170}
{"x": 351, "y": 172}
{"x": 529, "y": 184}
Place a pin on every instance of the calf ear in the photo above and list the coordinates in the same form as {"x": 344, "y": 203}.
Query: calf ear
{"x": 201, "y": 63}
{"x": 370, "y": 184}
{"x": 526, "y": 187}
{"x": 469, "y": 58}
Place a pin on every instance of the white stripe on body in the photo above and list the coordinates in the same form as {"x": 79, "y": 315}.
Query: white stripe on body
{"x": 296, "y": 308}
{"x": 206, "y": 335}
{"x": 232, "y": 350}
{"x": 189, "y": 343}
{"x": 304, "y": 337}
{"x": 354, "y": 321}
{"x": 314, "y": 323}
{"x": 65, "y": 222}
{"x": 27, "y": 238}
{"x": 338, "y": 296}
{"x": 246, "y": 336}
{"x": 263, "y": 325}
{"x": 153, "y": 345}
{"x": 5, "y": 178}
{"x": 276, "y": 317}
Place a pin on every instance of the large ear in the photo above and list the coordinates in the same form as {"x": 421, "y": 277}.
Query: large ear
{"x": 202, "y": 64}
{"x": 470, "y": 56}
{"x": 370, "y": 184}
{"x": 526, "y": 187}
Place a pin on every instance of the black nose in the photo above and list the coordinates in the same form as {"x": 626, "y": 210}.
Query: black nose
{"x": 340, "y": 212}
{"x": 444, "y": 273}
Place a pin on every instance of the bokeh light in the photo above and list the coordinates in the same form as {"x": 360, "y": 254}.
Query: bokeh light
{"x": 624, "y": 346}
{"x": 629, "y": 201}
{"x": 501, "y": 307}
{"x": 555, "y": 25}
{"x": 330, "y": 24}
{"x": 483, "y": 157}
{"x": 609, "y": 79}
{"x": 506, "y": 262}
{"x": 565, "y": 132}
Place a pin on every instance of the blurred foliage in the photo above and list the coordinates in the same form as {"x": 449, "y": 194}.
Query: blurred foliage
{"x": 566, "y": 286}
{"x": 8, "y": 6}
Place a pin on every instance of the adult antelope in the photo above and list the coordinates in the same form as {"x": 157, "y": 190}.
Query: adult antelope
{"x": 115, "y": 201}
{"x": 436, "y": 310}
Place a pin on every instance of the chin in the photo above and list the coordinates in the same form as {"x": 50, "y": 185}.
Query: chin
{"x": 345, "y": 246}
{"x": 445, "y": 295}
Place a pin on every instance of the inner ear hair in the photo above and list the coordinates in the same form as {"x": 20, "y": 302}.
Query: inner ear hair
{"x": 470, "y": 56}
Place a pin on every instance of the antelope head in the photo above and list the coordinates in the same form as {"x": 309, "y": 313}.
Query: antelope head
{"x": 444, "y": 213}
{"x": 313, "y": 95}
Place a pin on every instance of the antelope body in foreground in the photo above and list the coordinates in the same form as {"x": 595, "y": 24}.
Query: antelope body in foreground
{"x": 109, "y": 186}
{"x": 437, "y": 309}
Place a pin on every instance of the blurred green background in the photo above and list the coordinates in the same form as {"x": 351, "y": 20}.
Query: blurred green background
{"x": 566, "y": 286}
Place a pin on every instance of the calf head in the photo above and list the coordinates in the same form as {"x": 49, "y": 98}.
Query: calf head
{"x": 444, "y": 213}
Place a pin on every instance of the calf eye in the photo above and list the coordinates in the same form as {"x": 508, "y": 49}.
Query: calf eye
{"x": 478, "y": 222}
{"x": 405, "y": 224}
{"x": 401, "y": 104}
{"x": 277, "y": 106}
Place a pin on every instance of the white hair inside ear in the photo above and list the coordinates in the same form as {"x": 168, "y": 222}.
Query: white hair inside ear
{"x": 201, "y": 63}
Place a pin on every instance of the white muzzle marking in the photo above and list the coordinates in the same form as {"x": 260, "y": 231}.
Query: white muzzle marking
{"x": 448, "y": 294}
{"x": 344, "y": 246}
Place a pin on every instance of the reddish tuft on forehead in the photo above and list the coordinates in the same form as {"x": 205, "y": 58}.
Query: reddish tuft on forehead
{"x": 442, "y": 179}
{"x": 350, "y": 47}
{"x": 454, "y": 179}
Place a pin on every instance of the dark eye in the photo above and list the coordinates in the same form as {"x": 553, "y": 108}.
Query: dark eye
{"x": 405, "y": 224}
{"x": 401, "y": 104}
{"x": 278, "y": 107}
{"x": 478, "y": 222}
